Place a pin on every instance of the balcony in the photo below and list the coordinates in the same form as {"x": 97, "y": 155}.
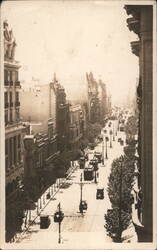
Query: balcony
{"x": 17, "y": 84}
{"x": 17, "y": 103}
{"x": 135, "y": 46}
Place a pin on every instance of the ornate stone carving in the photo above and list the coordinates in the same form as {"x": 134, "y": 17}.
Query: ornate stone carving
{"x": 135, "y": 46}
{"x": 9, "y": 42}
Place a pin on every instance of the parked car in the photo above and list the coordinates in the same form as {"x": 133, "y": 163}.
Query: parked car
{"x": 98, "y": 155}
{"x": 119, "y": 139}
{"x": 44, "y": 221}
{"x": 121, "y": 142}
{"x": 100, "y": 193}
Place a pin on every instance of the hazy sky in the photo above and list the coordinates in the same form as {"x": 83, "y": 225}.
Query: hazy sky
{"x": 72, "y": 38}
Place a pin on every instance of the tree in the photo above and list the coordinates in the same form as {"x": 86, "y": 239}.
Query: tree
{"x": 93, "y": 130}
{"x": 119, "y": 191}
{"x": 115, "y": 224}
{"x": 131, "y": 127}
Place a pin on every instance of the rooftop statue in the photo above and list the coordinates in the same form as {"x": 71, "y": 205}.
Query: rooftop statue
{"x": 9, "y": 42}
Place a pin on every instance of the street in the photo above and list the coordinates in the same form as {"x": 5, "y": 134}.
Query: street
{"x": 75, "y": 226}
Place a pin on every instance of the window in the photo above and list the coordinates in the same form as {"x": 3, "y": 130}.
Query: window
{"x": 15, "y": 149}
{"x": 11, "y": 98}
{"x": 6, "y": 117}
{"x": 6, "y": 153}
{"x": 11, "y": 115}
{"x": 11, "y": 76}
{"x": 19, "y": 141}
{"x": 6, "y": 99}
{"x": 17, "y": 96}
{"x": 5, "y": 76}
{"x": 16, "y": 76}
{"x": 8, "y": 75}
{"x": 17, "y": 114}
{"x": 10, "y": 150}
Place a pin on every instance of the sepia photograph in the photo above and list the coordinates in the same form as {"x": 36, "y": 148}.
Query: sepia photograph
{"x": 77, "y": 124}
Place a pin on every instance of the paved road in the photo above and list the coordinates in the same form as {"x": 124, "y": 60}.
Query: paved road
{"x": 75, "y": 226}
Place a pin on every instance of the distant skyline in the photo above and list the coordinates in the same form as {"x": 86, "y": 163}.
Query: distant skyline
{"x": 70, "y": 38}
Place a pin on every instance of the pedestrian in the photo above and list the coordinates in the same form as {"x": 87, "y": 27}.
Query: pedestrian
{"x": 97, "y": 174}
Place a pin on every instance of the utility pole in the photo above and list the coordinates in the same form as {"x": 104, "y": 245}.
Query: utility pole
{"x": 120, "y": 201}
{"x": 95, "y": 177}
{"x": 110, "y": 139}
{"x": 106, "y": 139}
{"x": 81, "y": 184}
{"x": 113, "y": 132}
{"x": 59, "y": 239}
{"x": 103, "y": 151}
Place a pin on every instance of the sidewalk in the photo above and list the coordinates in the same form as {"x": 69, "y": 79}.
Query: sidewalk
{"x": 43, "y": 201}
{"x": 129, "y": 235}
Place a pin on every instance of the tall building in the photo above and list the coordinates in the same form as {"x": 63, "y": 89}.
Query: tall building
{"x": 103, "y": 101}
{"x": 62, "y": 115}
{"x": 76, "y": 126}
{"x": 14, "y": 135}
{"x": 141, "y": 23}
{"x": 14, "y": 130}
{"x": 93, "y": 99}
{"x": 98, "y": 101}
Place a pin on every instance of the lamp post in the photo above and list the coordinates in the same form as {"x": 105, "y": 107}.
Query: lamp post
{"x": 81, "y": 184}
{"x": 113, "y": 133}
{"x": 106, "y": 139}
{"x": 103, "y": 151}
{"x": 110, "y": 138}
{"x": 59, "y": 239}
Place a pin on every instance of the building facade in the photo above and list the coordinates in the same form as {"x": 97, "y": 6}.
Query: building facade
{"x": 43, "y": 100}
{"x": 62, "y": 116}
{"x": 14, "y": 130}
{"x": 141, "y": 23}
{"x": 103, "y": 101}
{"x": 99, "y": 103}
{"x": 76, "y": 126}
{"x": 93, "y": 99}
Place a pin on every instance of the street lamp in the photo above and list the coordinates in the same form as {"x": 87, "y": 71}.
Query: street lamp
{"x": 103, "y": 151}
{"x": 110, "y": 138}
{"x": 106, "y": 139}
{"x": 113, "y": 133}
{"x": 81, "y": 184}
{"x": 58, "y": 217}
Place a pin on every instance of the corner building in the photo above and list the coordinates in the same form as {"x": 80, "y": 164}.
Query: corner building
{"x": 141, "y": 23}
{"x": 14, "y": 130}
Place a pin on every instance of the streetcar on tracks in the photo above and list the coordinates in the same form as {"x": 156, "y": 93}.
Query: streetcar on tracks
{"x": 88, "y": 173}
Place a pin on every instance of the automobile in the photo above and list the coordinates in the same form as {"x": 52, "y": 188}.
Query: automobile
{"x": 100, "y": 193}
{"x": 44, "y": 221}
{"x": 98, "y": 155}
{"x": 121, "y": 142}
{"x": 83, "y": 206}
{"x": 121, "y": 128}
